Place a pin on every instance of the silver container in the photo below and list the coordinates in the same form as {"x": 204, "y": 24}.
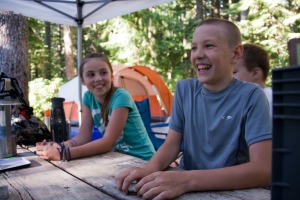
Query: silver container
{"x": 8, "y": 147}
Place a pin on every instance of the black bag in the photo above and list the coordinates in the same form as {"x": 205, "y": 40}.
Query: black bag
{"x": 28, "y": 128}
{"x": 29, "y": 132}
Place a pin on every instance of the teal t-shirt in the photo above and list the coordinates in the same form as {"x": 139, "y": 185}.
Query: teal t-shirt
{"x": 134, "y": 139}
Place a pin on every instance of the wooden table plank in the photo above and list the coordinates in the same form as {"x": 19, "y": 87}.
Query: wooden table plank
{"x": 100, "y": 170}
{"x": 42, "y": 180}
{"x": 247, "y": 194}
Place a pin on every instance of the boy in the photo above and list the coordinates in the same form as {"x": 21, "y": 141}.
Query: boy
{"x": 254, "y": 67}
{"x": 224, "y": 125}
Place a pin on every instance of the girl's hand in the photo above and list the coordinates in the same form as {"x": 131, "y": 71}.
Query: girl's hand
{"x": 48, "y": 150}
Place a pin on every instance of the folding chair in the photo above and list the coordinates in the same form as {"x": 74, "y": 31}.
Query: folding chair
{"x": 156, "y": 138}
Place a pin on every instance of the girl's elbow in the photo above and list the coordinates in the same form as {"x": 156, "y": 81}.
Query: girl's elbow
{"x": 107, "y": 148}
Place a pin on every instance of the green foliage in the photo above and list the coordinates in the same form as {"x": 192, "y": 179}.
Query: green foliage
{"x": 160, "y": 36}
{"x": 271, "y": 24}
{"x": 94, "y": 36}
{"x": 43, "y": 59}
{"x": 37, "y": 49}
{"x": 40, "y": 93}
{"x": 115, "y": 41}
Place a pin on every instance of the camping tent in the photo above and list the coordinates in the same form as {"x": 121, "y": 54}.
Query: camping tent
{"x": 140, "y": 81}
{"x": 143, "y": 82}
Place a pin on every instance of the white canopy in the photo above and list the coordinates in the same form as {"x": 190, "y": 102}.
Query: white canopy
{"x": 72, "y": 12}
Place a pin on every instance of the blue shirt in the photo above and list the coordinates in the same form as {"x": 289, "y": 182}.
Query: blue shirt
{"x": 219, "y": 127}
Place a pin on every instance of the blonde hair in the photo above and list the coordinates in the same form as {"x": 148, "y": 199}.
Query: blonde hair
{"x": 233, "y": 32}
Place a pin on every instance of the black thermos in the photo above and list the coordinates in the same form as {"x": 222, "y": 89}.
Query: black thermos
{"x": 58, "y": 121}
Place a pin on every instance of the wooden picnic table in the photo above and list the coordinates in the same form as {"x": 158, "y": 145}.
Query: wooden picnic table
{"x": 88, "y": 178}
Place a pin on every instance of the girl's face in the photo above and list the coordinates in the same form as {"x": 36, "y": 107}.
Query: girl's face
{"x": 212, "y": 56}
{"x": 97, "y": 77}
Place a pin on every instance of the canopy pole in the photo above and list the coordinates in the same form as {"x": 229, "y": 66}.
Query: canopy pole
{"x": 79, "y": 60}
{"x": 79, "y": 54}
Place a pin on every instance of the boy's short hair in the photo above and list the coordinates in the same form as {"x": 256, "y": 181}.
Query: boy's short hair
{"x": 233, "y": 32}
{"x": 255, "y": 56}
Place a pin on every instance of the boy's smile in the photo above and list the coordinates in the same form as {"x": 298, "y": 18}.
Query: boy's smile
{"x": 212, "y": 57}
{"x": 202, "y": 69}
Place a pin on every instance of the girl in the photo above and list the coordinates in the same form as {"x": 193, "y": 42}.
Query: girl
{"x": 114, "y": 113}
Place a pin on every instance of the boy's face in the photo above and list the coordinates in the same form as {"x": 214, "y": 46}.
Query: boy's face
{"x": 212, "y": 56}
{"x": 241, "y": 72}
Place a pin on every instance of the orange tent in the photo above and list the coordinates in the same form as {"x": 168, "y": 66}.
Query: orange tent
{"x": 140, "y": 81}
{"x": 71, "y": 110}
{"x": 143, "y": 82}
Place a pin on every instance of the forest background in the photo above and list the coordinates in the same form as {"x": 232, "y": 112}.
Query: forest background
{"x": 157, "y": 37}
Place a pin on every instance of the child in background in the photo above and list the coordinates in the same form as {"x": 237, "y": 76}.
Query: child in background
{"x": 224, "y": 125}
{"x": 254, "y": 67}
{"x": 114, "y": 113}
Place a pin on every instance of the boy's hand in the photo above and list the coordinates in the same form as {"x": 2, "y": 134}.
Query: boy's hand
{"x": 162, "y": 185}
{"x": 128, "y": 176}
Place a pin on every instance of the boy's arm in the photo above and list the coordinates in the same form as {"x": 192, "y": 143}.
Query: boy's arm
{"x": 170, "y": 184}
{"x": 256, "y": 173}
{"x": 165, "y": 155}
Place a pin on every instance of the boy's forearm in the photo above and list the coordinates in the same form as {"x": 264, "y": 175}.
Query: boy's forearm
{"x": 255, "y": 173}
{"x": 157, "y": 163}
{"x": 167, "y": 153}
{"x": 162, "y": 158}
{"x": 229, "y": 178}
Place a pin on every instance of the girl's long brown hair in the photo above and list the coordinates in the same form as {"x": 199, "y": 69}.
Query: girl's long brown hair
{"x": 106, "y": 103}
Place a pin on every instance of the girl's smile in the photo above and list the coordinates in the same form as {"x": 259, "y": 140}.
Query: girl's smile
{"x": 97, "y": 78}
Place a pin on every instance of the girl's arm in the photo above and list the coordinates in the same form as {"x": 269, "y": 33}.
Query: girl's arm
{"x": 113, "y": 131}
{"x": 84, "y": 135}
{"x": 49, "y": 150}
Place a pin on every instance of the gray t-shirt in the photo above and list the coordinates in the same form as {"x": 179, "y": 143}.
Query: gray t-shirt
{"x": 219, "y": 127}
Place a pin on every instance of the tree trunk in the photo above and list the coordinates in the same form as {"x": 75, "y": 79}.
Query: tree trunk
{"x": 46, "y": 68}
{"x": 14, "y": 48}
{"x": 225, "y": 6}
{"x": 216, "y": 10}
{"x": 69, "y": 55}
{"x": 199, "y": 8}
